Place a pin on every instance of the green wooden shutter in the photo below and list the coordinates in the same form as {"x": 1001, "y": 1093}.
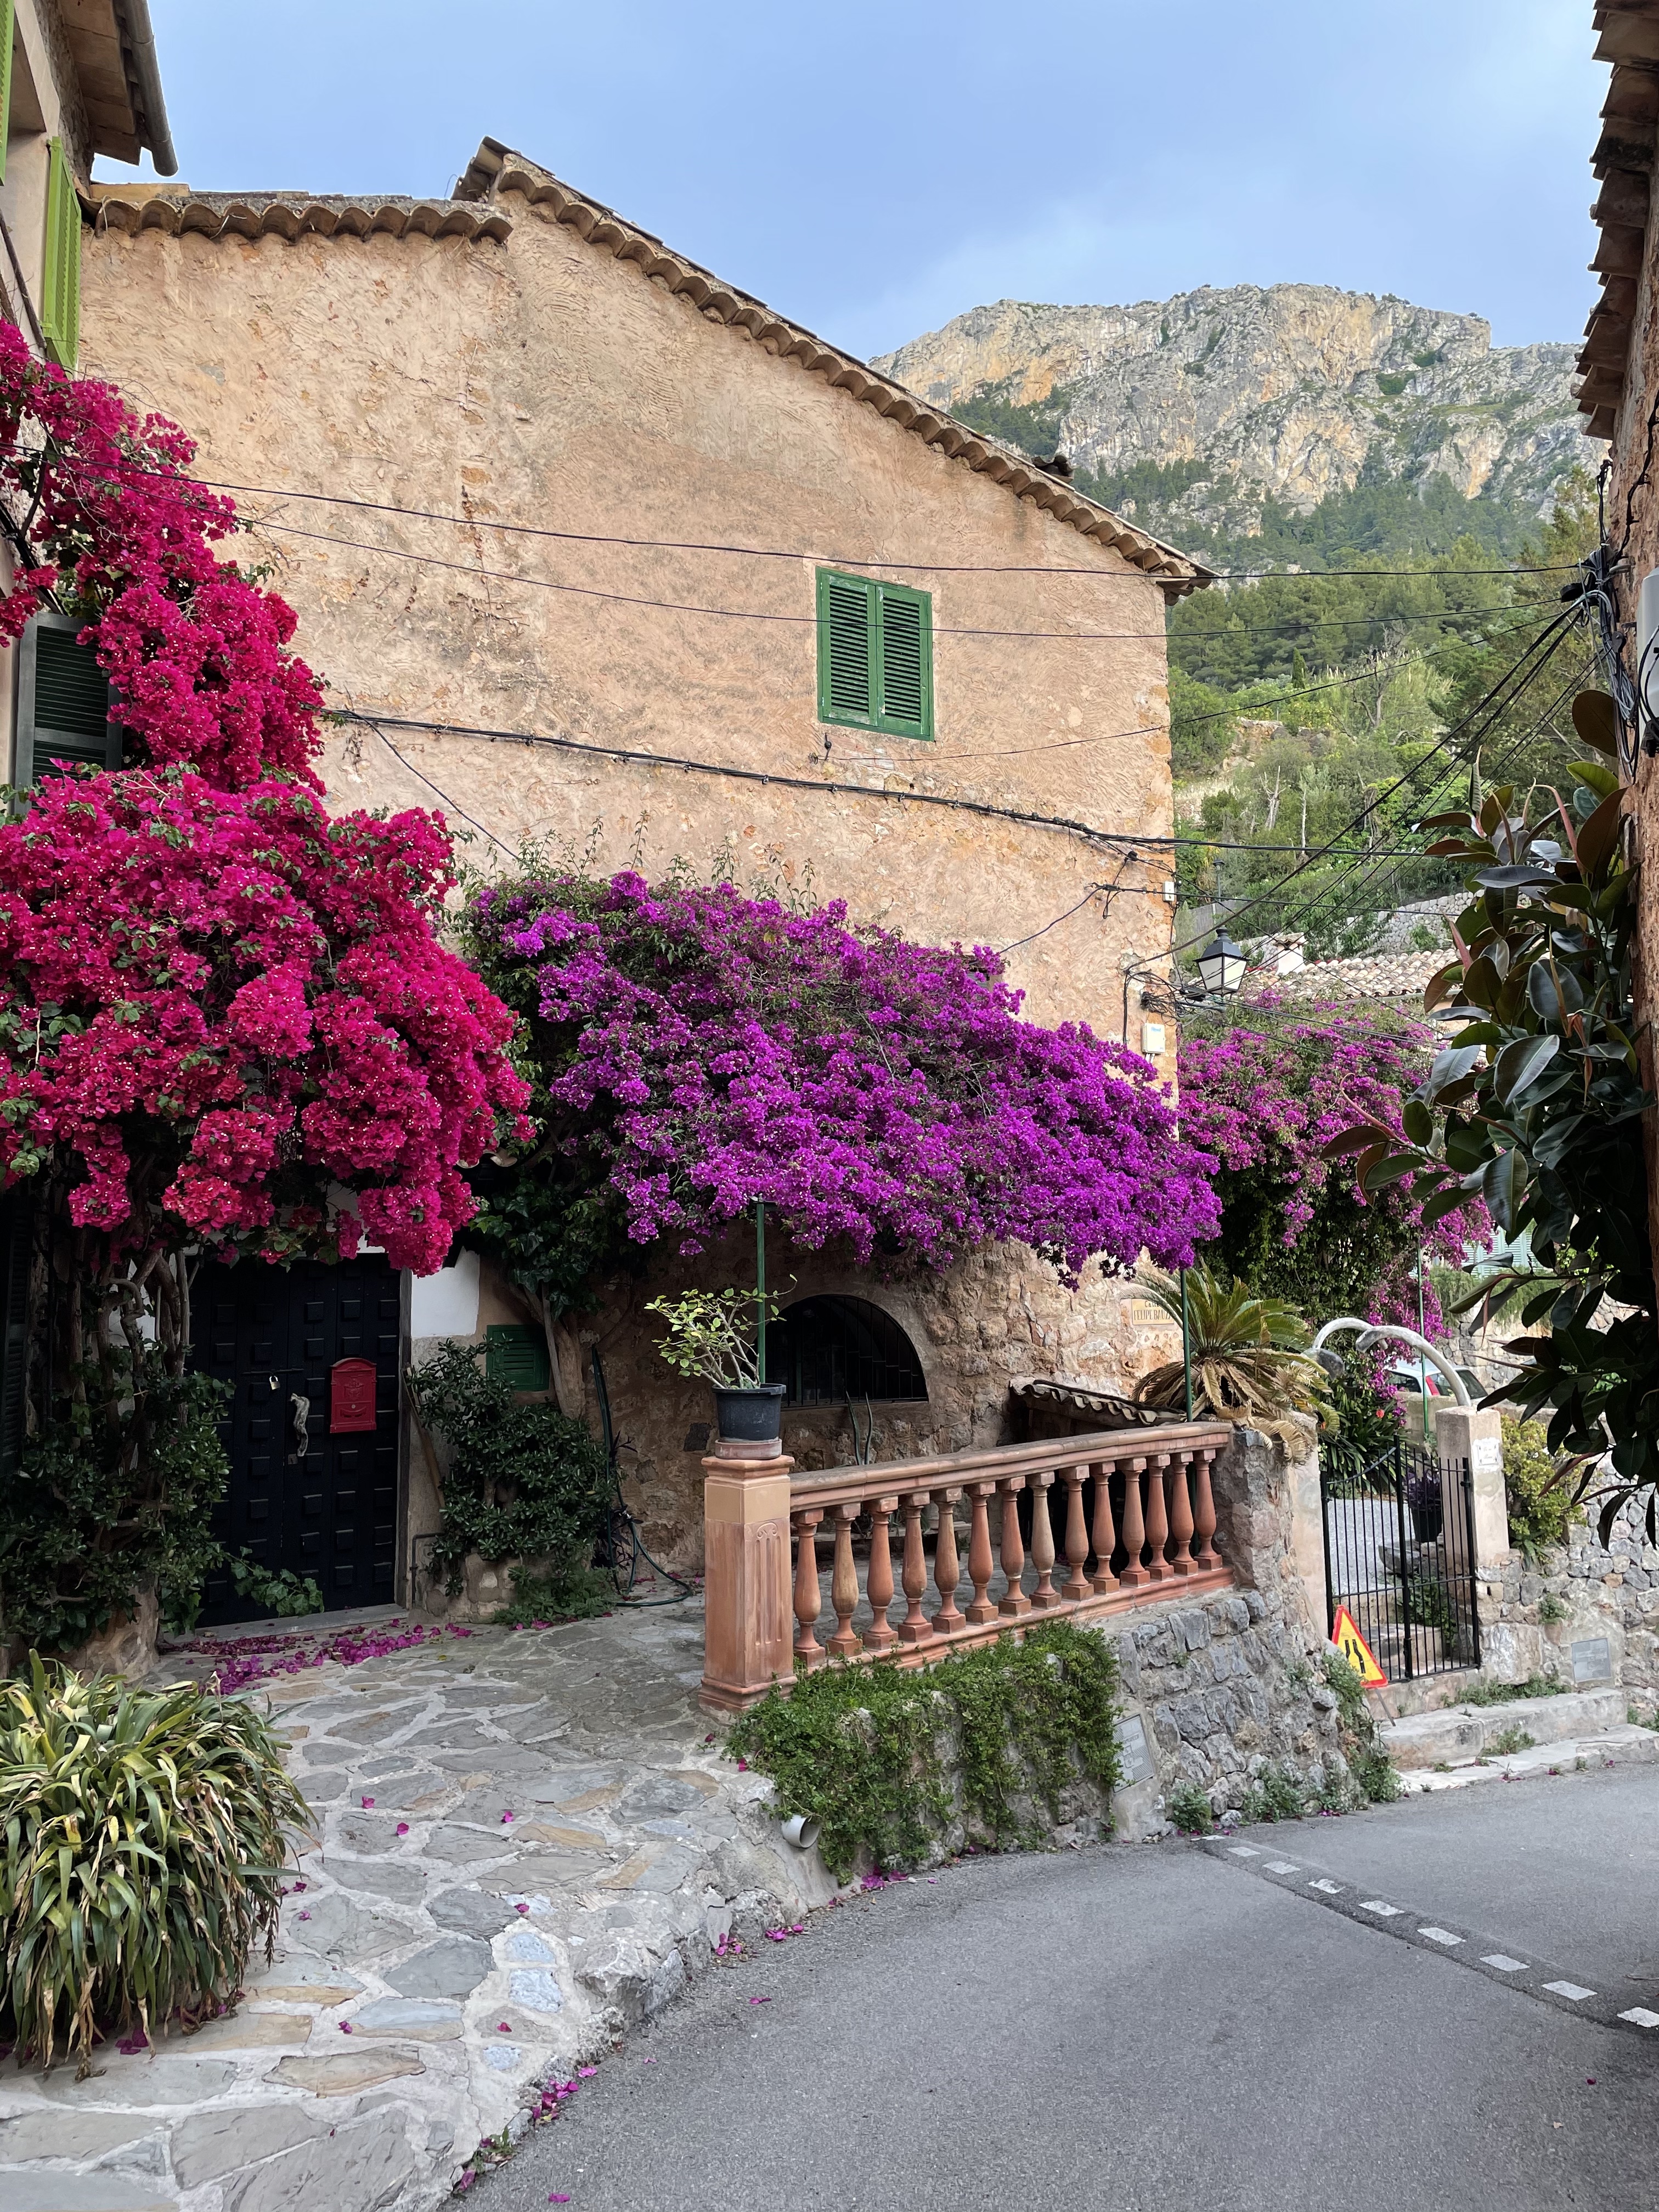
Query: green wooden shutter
{"x": 847, "y": 650}
{"x": 63, "y": 703}
{"x": 905, "y": 660}
{"x": 60, "y": 287}
{"x": 6, "y": 15}
{"x": 516, "y": 1354}
{"x": 875, "y": 655}
{"x": 16, "y": 1246}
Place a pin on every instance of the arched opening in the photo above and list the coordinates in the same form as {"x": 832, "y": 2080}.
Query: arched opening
{"x": 829, "y": 1350}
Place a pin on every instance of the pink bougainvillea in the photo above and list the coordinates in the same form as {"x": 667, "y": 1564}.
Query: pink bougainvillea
{"x": 227, "y": 1017}
{"x": 701, "y": 1051}
{"x": 198, "y": 652}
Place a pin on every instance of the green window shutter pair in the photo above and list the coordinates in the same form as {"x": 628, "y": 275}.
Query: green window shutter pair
{"x": 60, "y": 285}
{"x": 516, "y": 1354}
{"x": 63, "y": 704}
{"x": 6, "y": 12}
{"x": 17, "y": 1248}
{"x": 875, "y": 655}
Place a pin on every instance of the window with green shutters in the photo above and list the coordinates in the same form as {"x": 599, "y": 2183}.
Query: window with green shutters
{"x": 60, "y": 284}
{"x": 518, "y": 1355}
{"x": 875, "y": 655}
{"x": 63, "y": 703}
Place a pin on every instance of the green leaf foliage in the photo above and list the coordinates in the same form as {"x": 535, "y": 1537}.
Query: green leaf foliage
{"x": 143, "y": 1838}
{"x": 524, "y": 1481}
{"x": 863, "y": 1750}
{"x": 118, "y": 1493}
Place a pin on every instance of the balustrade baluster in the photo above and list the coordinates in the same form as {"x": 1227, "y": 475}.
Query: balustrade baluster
{"x": 1181, "y": 1515}
{"x": 981, "y": 1563}
{"x": 808, "y": 1597}
{"x": 1077, "y": 1536}
{"x": 1105, "y": 1535}
{"x": 1014, "y": 1602}
{"x": 947, "y": 1568}
{"x": 1134, "y": 1526}
{"x": 1158, "y": 1519}
{"x": 880, "y": 1634}
{"x": 1204, "y": 1512}
{"x": 915, "y": 1627}
{"x": 845, "y": 1643}
{"x": 1045, "y": 1596}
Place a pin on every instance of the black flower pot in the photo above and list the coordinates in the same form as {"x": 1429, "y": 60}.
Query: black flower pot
{"x": 752, "y": 1415}
{"x": 1428, "y": 1518}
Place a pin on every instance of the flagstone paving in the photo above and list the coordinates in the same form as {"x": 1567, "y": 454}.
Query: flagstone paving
{"x": 526, "y": 1844}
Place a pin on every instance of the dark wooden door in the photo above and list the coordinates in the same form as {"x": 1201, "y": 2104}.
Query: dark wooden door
{"x": 324, "y": 1504}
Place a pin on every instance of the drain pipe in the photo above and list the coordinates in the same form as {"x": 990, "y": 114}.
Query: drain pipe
{"x": 1371, "y": 1332}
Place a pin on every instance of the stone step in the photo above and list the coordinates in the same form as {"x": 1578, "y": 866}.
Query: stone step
{"x": 1455, "y": 1734}
{"x": 1624, "y": 1745}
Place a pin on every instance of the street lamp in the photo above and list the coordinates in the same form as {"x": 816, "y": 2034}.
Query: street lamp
{"x": 1221, "y": 966}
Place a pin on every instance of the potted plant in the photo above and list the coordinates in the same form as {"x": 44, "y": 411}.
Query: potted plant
{"x": 716, "y": 1335}
{"x": 1426, "y": 1498}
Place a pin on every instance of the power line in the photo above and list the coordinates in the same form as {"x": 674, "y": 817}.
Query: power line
{"x": 801, "y": 553}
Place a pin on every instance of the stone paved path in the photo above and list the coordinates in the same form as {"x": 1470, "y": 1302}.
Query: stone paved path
{"x": 439, "y": 1959}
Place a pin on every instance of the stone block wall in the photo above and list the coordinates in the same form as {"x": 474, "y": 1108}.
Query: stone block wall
{"x": 1533, "y": 1612}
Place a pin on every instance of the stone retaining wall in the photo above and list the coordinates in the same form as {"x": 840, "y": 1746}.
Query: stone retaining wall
{"x": 1583, "y": 1593}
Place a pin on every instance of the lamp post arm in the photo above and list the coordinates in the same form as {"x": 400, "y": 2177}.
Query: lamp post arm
{"x": 1372, "y": 1332}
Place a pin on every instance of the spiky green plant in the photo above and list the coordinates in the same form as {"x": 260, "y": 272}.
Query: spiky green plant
{"x": 1249, "y": 1362}
{"x": 143, "y": 1838}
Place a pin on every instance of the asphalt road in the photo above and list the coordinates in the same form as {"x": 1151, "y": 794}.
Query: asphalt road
{"x": 1165, "y": 2028}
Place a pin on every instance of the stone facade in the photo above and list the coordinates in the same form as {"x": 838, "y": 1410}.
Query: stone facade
{"x": 1583, "y": 1594}
{"x": 518, "y": 358}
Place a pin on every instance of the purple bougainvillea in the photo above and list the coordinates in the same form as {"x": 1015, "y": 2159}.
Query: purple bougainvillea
{"x": 699, "y": 1051}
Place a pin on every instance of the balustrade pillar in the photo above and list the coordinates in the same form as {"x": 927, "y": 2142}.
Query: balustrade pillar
{"x": 915, "y": 1627}
{"x": 1181, "y": 1515}
{"x": 808, "y": 1599}
{"x": 1045, "y": 1596}
{"x": 880, "y": 1634}
{"x": 747, "y": 1513}
{"x": 981, "y": 1564}
{"x": 1134, "y": 1526}
{"x": 1105, "y": 1535}
{"x": 1014, "y": 1602}
{"x": 947, "y": 1568}
{"x": 1158, "y": 1519}
{"x": 1077, "y": 1536}
{"x": 1204, "y": 1511}
{"x": 845, "y": 1643}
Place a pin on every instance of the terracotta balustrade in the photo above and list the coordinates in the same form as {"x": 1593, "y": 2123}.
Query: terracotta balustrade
{"x": 1123, "y": 1517}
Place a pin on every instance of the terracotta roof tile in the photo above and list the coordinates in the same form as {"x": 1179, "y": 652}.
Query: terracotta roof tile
{"x": 1370, "y": 975}
{"x": 131, "y": 208}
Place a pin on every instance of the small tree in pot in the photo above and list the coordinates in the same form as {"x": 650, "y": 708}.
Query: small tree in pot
{"x": 716, "y": 1335}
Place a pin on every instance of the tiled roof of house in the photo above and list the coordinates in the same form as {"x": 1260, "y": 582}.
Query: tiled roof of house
{"x": 1394, "y": 976}
{"x": 496, "y": 172}
{"x": 1628, "y": 37}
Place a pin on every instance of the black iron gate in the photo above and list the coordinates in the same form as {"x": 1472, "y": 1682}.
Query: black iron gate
{"x": 1399, "y": 1556}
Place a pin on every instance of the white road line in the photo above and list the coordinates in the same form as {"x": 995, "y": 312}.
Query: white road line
{"x": 1440, "y": 1935}
{"x": 1641, "y": 2016}
{"x": 1244, "y": 1850}
{"x": 1375, "y": 1904}
{"x": 1330, "y": 1888}
{"x": 1280, "y": 1866}
{"x": 1572, "y": 1989}
{"x": 1503, "y": 1963}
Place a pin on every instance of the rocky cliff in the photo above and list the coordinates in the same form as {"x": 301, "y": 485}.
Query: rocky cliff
{"x": 1288, "y": 392}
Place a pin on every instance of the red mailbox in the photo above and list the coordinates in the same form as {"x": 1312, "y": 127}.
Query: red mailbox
{"x": 351, "y": 1396}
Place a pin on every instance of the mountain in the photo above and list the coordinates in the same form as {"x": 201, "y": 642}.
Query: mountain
{"x": 1287, "y": 415}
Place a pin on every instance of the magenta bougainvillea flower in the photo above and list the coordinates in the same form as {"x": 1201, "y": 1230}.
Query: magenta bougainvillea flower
{"x": 702, "y": 1051}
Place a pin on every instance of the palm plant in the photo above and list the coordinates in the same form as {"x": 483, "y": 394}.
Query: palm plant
{"x": 142, "y": 1845}
{"x": 1249, "y": 1361}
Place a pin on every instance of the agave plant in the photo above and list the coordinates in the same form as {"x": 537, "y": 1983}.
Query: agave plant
{"x": 1247, "y": 1356}
{"x": 143, "y": 1837}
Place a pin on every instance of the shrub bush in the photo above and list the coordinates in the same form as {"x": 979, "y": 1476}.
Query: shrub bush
{"x": 1540, "y": 1494}
{"x": 142, "y": 1836}
{"x": 857, "y": 1747}
{"x": 1189, "y": 1809}
{"x": 524, "y": 1482}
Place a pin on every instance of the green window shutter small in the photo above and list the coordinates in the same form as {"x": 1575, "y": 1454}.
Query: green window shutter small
{"x": 516, "y": 1354}
{"x": 60, "y": 288}
{"x": 6, "y": 25}
{"x": 63, "y": 703}
{"x": 875, "y": 655}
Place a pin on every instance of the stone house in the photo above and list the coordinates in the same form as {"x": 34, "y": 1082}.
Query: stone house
{"x": 597, "y": 551}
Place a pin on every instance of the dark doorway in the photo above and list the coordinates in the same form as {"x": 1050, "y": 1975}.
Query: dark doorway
{"x": 306, "y": 1493}
{"x": 828, "y": 1350}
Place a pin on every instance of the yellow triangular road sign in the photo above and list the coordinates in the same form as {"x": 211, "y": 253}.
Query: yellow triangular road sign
{"x": 1355, "y": 1650}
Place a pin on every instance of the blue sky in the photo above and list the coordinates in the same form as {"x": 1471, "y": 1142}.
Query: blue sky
{"x": 874, "y": 169}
